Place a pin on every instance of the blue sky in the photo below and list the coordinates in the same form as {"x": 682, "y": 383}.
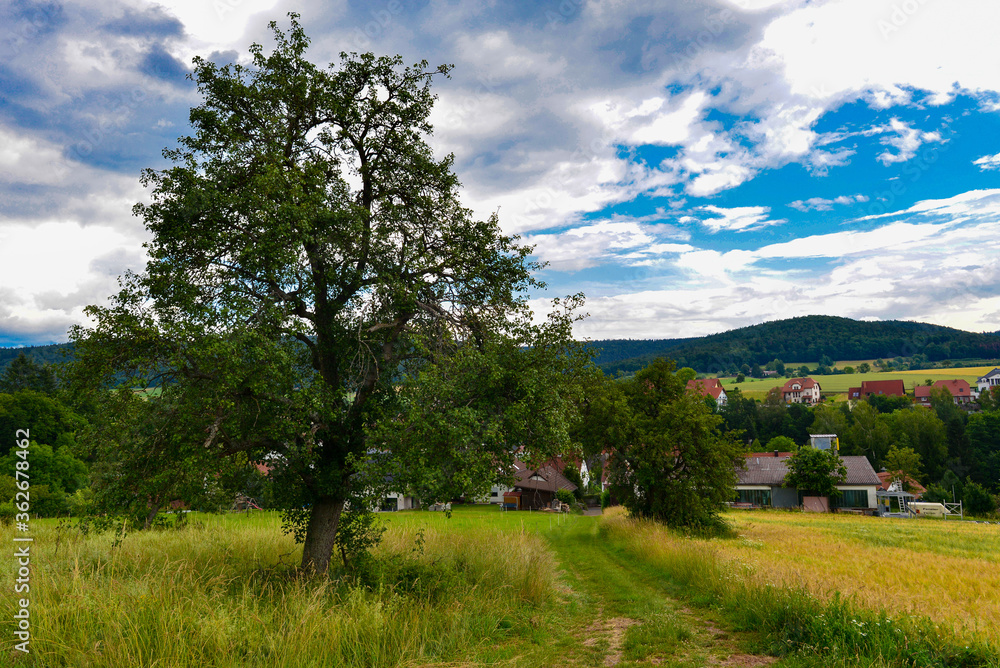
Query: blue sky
{"x": 692, "y": 166}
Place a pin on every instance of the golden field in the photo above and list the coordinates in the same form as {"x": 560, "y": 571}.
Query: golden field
{"x": 948, "y": 571}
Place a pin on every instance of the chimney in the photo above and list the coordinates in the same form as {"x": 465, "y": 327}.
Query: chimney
{"x": 775, "y": 453}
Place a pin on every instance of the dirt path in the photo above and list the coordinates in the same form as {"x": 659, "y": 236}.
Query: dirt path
{"x": 625, "y": 615}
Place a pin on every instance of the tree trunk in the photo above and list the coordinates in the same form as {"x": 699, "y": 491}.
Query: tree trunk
{"x": 320, "y": 535}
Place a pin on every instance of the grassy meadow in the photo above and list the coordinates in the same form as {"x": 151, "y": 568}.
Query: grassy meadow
{"x": 839, "y": 384}
{"x": 223, "y": 592}
{"x": 485, "y": 587}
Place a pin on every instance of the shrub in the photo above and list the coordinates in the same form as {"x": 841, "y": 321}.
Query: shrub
{"x": 977, "y": 500}
{"x": 605, "y": 499}
{"x": 565, "y": 496}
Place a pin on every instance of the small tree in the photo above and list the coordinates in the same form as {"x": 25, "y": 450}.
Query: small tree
{"x": 904, "y": 463}
{"x": 816, "y": 471}
{"x": 782, "y": 444}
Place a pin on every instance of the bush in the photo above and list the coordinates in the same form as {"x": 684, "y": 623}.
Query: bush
{"x": 565, "y": 496}
{"x": 977, "y": 500}
{"x": 936, "y": 494}
{"x": 605, "y": 499}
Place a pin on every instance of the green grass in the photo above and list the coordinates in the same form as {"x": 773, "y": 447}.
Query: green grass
{"x": 481, "y": 587}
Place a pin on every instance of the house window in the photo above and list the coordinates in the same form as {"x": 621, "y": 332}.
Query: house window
{"x": 494, "y": 493}
{"x": 758, "y": 497}
{"x": 390, "y": 504}
{"x": 853, "y": 498}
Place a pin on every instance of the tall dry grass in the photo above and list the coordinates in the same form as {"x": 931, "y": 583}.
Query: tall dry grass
{"x": 224, "y": 592}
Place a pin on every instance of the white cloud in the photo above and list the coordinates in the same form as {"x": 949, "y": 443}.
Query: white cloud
{"x": 821, "y": 204}
{"x": 632, "y": 242}
{"x": 738, "y": 219}
{"x": 988, "y": 162}
{"x": 56, "y": 268}
{"x": 906, "y": 140}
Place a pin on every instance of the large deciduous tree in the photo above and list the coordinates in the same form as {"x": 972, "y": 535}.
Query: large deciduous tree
{"x": 310, "y": 266}
{"x": 670, "y": 461}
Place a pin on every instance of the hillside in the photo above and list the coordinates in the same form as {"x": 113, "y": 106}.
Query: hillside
{"x": 51, "y": 354}
{"x": 801, "y": 340}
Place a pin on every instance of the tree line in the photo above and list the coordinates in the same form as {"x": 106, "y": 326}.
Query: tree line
{"x": 804, "y": 339}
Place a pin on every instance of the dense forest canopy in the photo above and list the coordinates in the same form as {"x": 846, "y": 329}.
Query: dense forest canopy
{"x": 803, "y": 339}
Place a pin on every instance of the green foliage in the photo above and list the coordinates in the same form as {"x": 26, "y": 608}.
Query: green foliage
{"x": 887, "y": 404}
{"x": 821, "y": 338}
{"x": 671, "y": 462}
{"x": 24, "y": 373}
{"x": 781, "y": 444}
{"x": 605, "y": 499}
{"x": 565, "y": 496}
{"x": 977, "y": 500}
{"x": 868, "y": 435}
{"x": 828, "y": 420}
{"x": 922, "y": 431}
{"x": 53, "y": 474}
{"x": 740, "y": 378}
{"x": 49, "y": 419}
{"x": 904, "y": 464}
{"x": 815, "y": 472}
{"x": 572, "y": 473}
{"x": 312, "y": 271}
{"x": 686, "y": 374}
{"x": 358, "y": 531}
{"x": 936, "y": 493}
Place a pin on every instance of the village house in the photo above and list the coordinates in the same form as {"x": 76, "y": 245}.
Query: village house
{"x": 801, "y": 391}
{"x": 535, "y": 488}
{"x": 992, "y": 379}
{"x": 760, "y": 483}
{"x": 708, "y": 387}
{"x": 961, "y": 391}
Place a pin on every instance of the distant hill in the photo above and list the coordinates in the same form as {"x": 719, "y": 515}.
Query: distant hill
{"x": 801, "y": 340}
{"x": 51, "y": 354}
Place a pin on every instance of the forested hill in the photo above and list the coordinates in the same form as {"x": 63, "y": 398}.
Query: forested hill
{"x": 51, "y": 354}
{"x": 801, "y": 340}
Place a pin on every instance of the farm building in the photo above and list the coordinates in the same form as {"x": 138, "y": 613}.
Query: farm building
{"x": 537, "y": 486}
{"x": 760, "y": 483}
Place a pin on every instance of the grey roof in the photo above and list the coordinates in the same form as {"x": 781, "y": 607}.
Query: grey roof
{"x": 771, "y": 470}
{"x": 995, "y": 372}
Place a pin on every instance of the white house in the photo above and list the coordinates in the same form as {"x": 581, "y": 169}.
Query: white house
{"x": 801, "y": 391}
{"x": 989, "y": 380}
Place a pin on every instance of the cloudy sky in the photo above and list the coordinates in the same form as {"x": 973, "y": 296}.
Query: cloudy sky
{"x": 691, "y": 165}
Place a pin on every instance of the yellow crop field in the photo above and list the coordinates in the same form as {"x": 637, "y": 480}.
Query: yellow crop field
{"x": 948, "y": 571}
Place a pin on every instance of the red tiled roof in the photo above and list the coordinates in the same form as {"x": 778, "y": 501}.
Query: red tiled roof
{"x": 889, "y": 388}
{"x": 922, "y": 391}
{"x": 886, "y": 478}
{"x": 711, "y": 387}
{"x": 806, "y": 383}
{"x": 957, "y": 386}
